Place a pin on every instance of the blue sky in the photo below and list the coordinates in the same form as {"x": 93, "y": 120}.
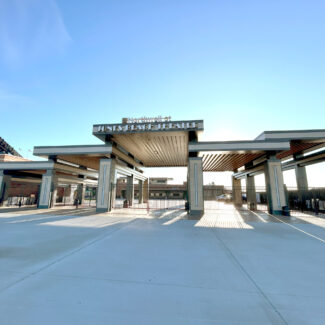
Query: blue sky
{"x": 242, "y": 66}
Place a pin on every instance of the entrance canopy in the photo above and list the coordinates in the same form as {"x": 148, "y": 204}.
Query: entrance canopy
{"x": 154, "y": 144}
{"x": 170, "y": 144}
{"x": 132, "y": 145}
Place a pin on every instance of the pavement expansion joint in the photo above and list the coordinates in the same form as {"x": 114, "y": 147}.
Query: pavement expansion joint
{"x": 298, "y": 229}
{"x": 149, "y": 283}
{"x": 247, "y": 275}
{"x": 58, "y": 260}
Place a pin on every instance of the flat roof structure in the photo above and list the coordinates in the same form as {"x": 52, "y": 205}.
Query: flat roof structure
{"x": 232, "y": 155}
{"x": 84, "y": 155}
{"x": 154, "y": 144}
{"x": 130, "y": 146}
{"x": 170, "y": 144}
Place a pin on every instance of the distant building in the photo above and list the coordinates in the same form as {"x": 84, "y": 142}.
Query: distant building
{"x": 8, "y": 153}
{"x": 159, "y": 180}
{"x": 19, "y": 190}
{"x": 5, "y": 148}
{"x": 159, "y": 188}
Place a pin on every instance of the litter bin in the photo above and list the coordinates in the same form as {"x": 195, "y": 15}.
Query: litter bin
{"x": 286, "y": 211}
{"x": 125, "y": 204}
{"x": 252, "y": 206}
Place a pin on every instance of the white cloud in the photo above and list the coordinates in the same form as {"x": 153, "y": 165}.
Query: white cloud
{"x": 31, "y": 29}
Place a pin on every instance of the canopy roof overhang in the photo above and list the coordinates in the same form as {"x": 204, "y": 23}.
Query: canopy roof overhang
{"x": 302, "y": 142}
{"x": 86, "y": 156}
{"x": 32, "y": 171}
{"x": 155, "y": 144}
{"x": 159, "y": 145}
{"x": 154, "y": 148}
{"x": 233, "y": 155}
{"x": 158, "y": 149}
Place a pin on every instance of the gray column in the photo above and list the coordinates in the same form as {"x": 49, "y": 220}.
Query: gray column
{"x": 140, "y": 190}
{"x": 5, "y": 181}
{"x": 276, "y": 198}
{"x": 237, "y": 197}
{"x": 146, "y": 191}
{"x": 70, "y": 194}
{"x": 195, "y": 187}
{"x": 54, "y": 194}
{"x": 301, "y": 177}
{"x": 302, "y": 184}
{"x": 251, "y": 193}
{"x": 81, "y": 193}
{"x": 105, "y": 182}
{"x": 130, "y": 190}
{"x": 113, "y": 192}
{"x": 47, "y": 187}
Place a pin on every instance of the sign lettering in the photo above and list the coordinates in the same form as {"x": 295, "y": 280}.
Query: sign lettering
{"x": 143, "y": 127}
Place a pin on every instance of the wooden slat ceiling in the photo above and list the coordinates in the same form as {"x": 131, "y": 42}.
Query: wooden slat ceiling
{"x": 86, "y": 161}
{"x": 232, "y": 161}
{"x": 158, "y": 149}
{"x": 296, "y": 147}
{"x": 227, "y": 161}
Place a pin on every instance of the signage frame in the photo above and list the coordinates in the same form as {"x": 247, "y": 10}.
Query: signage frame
{"x": 132, "y": 128}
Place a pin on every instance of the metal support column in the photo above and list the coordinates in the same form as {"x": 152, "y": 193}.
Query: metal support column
{"x": 130, "y": 189}
{"x": 251, "y": 193}
{"x": 47, "y": 188}
{"x": 237, "y": 192}
{"x": 140, "y": 189}
{"x": 5, "y": 181}
{"x": 146, "y": 191}
{"x": 275, "y": 191}
{"x": 195, "y": 187}
{"x": 302, "y": 184}
{"x": 105, "y": 183}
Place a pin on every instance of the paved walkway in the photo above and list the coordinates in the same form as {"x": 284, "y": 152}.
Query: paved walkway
{"x": 70, "y": 266}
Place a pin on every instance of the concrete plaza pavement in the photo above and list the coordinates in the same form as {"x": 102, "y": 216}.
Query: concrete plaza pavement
{"x": 67, "y": 266}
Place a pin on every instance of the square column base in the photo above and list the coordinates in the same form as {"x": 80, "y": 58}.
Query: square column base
{"x": 251, "y": 206}
{"x": 102, "y": 210}
{"x": 284, "y": 212}
{"x": 43, "y": 207}
{"x": 195, "y": 215}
